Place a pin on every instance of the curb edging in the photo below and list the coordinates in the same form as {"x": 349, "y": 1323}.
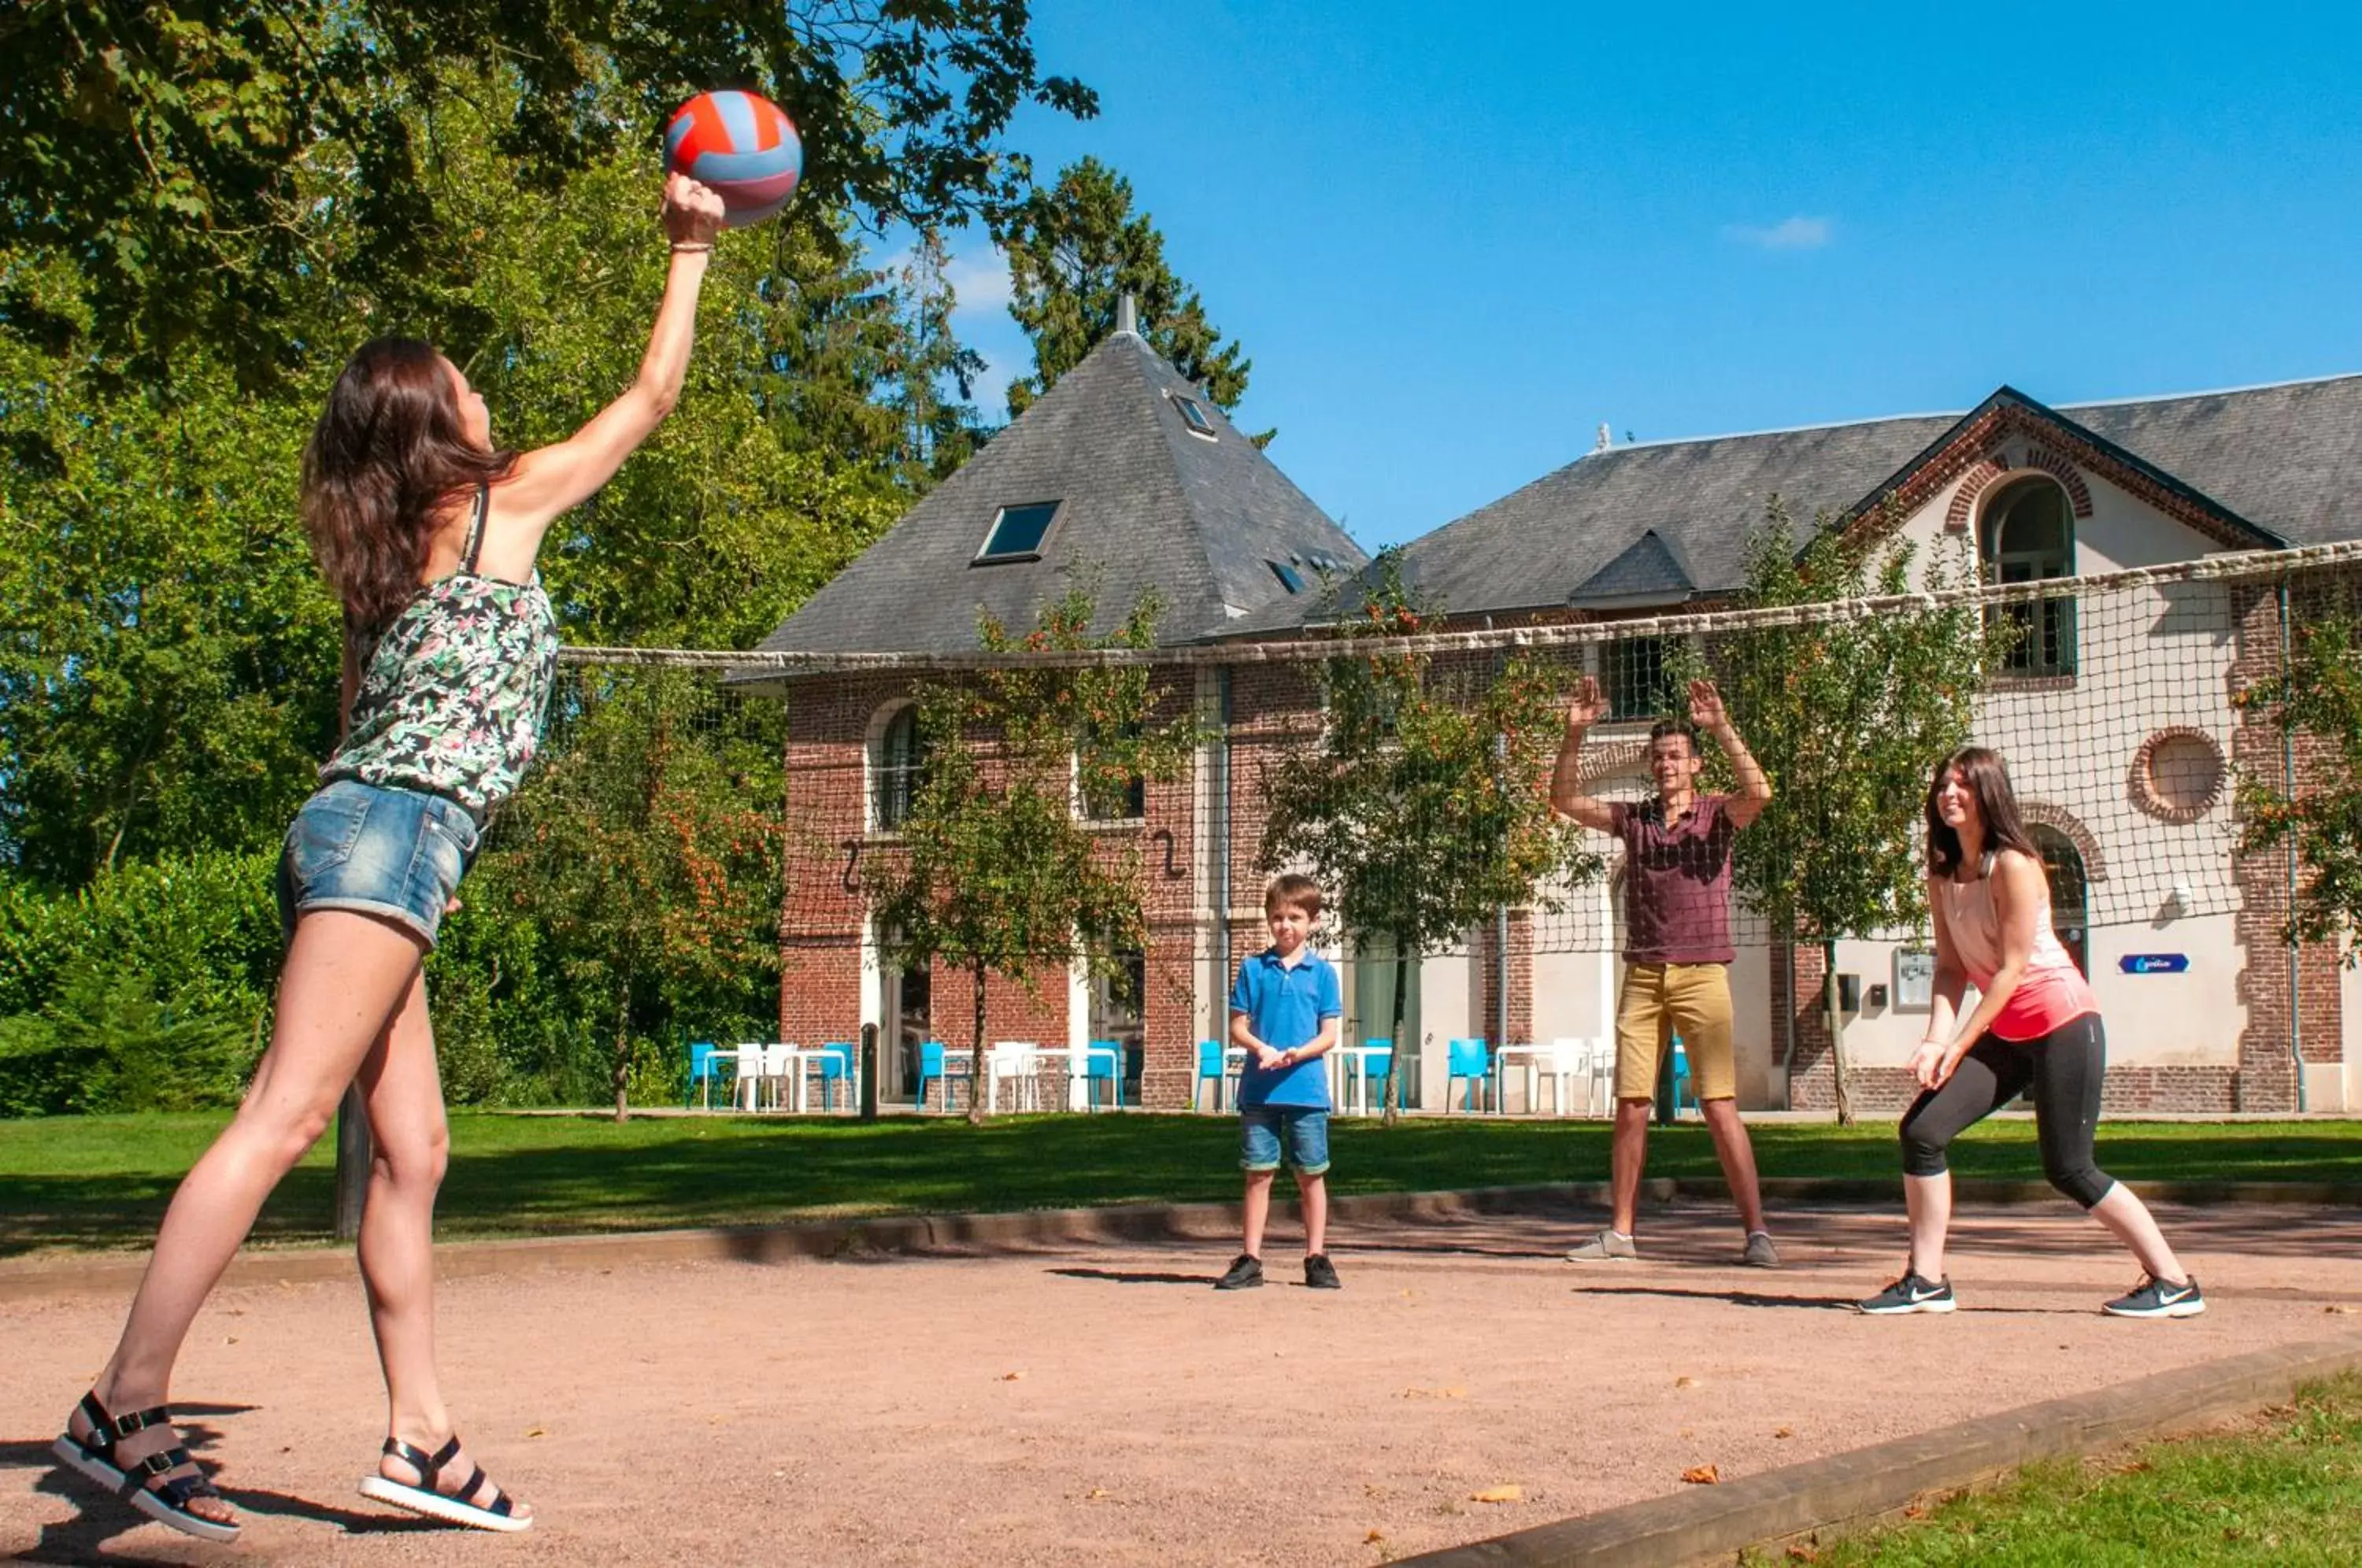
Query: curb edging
{"x": 39, "y": 1278}
{"x": 1709, "y": 1523}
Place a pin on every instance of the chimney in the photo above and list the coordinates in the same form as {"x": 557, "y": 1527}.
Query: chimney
{"x": 1606, "y": 438}
{"x": 1127, "y": 317}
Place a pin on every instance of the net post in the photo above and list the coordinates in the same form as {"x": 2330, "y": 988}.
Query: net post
{"x": 868, "y": 1072}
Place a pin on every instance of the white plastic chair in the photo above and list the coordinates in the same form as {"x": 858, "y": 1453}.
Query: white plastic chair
{"x": 1012, "y": 1062}
{"x": 778, "y": 1070}
{"x": 747, "y": 1089}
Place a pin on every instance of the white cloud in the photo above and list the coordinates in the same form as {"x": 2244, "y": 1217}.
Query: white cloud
{"x": 980, "y": 279}
{"x": 1789, "y": 234}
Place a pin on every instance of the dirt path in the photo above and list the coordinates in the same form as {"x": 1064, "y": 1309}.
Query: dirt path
{"x": 1103, "y": 1405}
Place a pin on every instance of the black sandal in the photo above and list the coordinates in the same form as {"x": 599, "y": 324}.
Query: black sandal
{"x": 436, "y": 1503}
{"x": 143, "y": 1485}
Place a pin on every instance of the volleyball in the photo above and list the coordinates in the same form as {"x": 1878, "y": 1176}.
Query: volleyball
{"x": 742, "y": 147}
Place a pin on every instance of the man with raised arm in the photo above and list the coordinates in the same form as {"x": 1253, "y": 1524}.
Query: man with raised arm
{"x": 1677, "y": 949}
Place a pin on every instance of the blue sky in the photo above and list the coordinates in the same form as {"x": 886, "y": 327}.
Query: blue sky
{"x": 1456, "y": 240}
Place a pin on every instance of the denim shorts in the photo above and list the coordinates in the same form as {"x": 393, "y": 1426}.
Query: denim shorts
{"x": 396, "y": 854}
{"x": 1302, "y": 1130}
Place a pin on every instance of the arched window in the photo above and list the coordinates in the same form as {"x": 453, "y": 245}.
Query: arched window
{"x": 2028, "y": 535}
{"x": 2062, "y": 865}
{"x": 897, "y": 768}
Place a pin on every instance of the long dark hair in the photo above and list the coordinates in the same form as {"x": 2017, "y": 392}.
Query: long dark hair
{"x": 1982, "y": 770}
{"x": 390, "y": 451}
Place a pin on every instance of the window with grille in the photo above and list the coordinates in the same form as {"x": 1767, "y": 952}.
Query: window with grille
{"x": 2029, "y": 537}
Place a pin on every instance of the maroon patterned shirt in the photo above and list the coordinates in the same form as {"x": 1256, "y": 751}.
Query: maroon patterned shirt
{"x": 1676, "y": 881}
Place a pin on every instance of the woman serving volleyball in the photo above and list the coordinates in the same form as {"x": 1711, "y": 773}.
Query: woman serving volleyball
{"x": 427, "y": 531}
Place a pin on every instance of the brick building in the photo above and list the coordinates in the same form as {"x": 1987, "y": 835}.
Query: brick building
{"x": 2121, "y": 729}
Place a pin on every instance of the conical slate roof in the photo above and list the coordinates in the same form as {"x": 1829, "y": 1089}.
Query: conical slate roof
{"x": 1143, "y": 502}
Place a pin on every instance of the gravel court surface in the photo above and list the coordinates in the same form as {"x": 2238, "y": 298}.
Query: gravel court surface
{"x": 1103, "y": 1403}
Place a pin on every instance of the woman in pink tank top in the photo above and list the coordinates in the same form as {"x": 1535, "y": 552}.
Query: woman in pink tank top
{"x": 2035, "y": 1029}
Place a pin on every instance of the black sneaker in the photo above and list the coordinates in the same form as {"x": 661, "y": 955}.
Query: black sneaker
{"x": 2155, "y": 1298}
{"x": 1320, "y": 1273}
{"x": 1910, "y": 1294}
{"x": 1245, "y": 1273}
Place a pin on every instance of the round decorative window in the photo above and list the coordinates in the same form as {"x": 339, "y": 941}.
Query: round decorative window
{"x": 2179, "y": 774}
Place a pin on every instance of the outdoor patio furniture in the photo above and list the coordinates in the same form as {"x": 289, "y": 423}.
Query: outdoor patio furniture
{"x": 831, "y": 1064}
{"x": 1359, "y": 1069}
{"x": 937, "y": 1065}
{"x": 1468, "y": 1060}
{"x": 1209, "y": 1070}
{"x": 704, "y": 1064}
{"x": 1014, "y": 1063}
{"x": 1102, "y": 1064}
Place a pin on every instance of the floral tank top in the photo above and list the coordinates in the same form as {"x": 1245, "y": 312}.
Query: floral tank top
{"x": 455, "y": 689}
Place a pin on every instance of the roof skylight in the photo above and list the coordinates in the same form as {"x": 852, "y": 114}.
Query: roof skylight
{"x": 1017, "y": 532}
{"x": 1289, "y": 578}
{"x": 1193, "y": 415}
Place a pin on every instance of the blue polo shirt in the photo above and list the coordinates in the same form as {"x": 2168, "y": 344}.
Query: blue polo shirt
{"x": 1285, "y": 1007}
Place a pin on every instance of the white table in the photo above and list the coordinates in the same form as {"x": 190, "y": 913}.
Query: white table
{"x": 742, "y": 1083}
{"x": 1017, "y": 1061}
{"x": 1349, "y": 1078}
{"x": 794, "y": 1063}
{"x": 1563, "y": 1061}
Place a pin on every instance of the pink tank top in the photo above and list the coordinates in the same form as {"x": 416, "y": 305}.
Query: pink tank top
{"x": 2050, "y": 992}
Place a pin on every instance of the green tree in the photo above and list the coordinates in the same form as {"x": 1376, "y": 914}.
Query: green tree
{"x": 180, "y": 149}
{"x": 648, "y": 847}
{"x": 935, "y": 374}
{"x": 2315, "y": 705}
{"x": 994, "y": 874}
{"x": 167, "y": 667}
{"x": 1422, "y": 805}
{"x": 1848, "y": 714}
{"x": 1075, "y": 250}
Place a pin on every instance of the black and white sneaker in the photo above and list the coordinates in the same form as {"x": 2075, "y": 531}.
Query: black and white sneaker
{"x": 1910, "y": 1294}
{"x": 1246, "y": 1273}
{"x": 2155, "y": 1298}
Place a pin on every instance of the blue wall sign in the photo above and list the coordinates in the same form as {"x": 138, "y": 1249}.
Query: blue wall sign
{"x": 2154, "y": 963}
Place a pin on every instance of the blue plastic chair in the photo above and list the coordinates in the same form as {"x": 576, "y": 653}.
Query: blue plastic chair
{"x": 1377, "y": 1056}
{"x": 931, "y": 1071}
{"x": 1209, "y": 1066}
{"x": 1682, "y": 1085}
{"x": 1468, "y": 1059}
{"x": 1102, "y": 1064}
{"x": 701, "y": 1073}
{"x": 834, "y": 1066}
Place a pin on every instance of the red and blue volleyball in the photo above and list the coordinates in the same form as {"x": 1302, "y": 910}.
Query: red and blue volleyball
{"x": 742, "y": 147}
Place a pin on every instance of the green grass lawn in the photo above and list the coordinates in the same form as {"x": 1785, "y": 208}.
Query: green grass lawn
{"x": 102, "y": 1181}
{"x": 2282, "y": 1489}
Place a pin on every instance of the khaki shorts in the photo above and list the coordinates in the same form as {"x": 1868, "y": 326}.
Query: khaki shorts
{"x": 1661, "y": 1001}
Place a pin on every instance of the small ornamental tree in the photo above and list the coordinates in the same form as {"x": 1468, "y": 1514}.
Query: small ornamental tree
{"x": 1422, "y": 806}
{"x": 649, "y": 847}
{"x": 2316, "y": 703}
{"x": 1847, "y": 716}
{"x": 994, "y": 874}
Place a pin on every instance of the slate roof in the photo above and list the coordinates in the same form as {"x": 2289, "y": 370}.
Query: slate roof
{"x": 1671, "y": 519}
{"x": 1144, "y": 503}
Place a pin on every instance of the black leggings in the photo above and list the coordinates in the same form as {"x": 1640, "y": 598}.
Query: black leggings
{"x": 2064, "y": 1067}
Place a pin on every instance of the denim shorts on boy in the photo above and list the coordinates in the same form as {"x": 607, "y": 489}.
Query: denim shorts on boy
{"x": 376, "y": 849}
{"x": 1267, "y": 1131}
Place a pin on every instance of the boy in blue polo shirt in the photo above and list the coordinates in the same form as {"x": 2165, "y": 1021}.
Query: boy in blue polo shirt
{"x": 1283, "y": 1013}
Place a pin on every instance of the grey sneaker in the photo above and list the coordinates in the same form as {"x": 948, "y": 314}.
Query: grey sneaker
{"x": 1910, "y": 1294}
{"x": 1609, "y": 1246}
{"x": 2155, "y": 1299}
{"x": 1760, "y": 1252}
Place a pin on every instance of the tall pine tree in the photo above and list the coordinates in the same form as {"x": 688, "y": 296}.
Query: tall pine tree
{"x": 1075, "y": 250}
